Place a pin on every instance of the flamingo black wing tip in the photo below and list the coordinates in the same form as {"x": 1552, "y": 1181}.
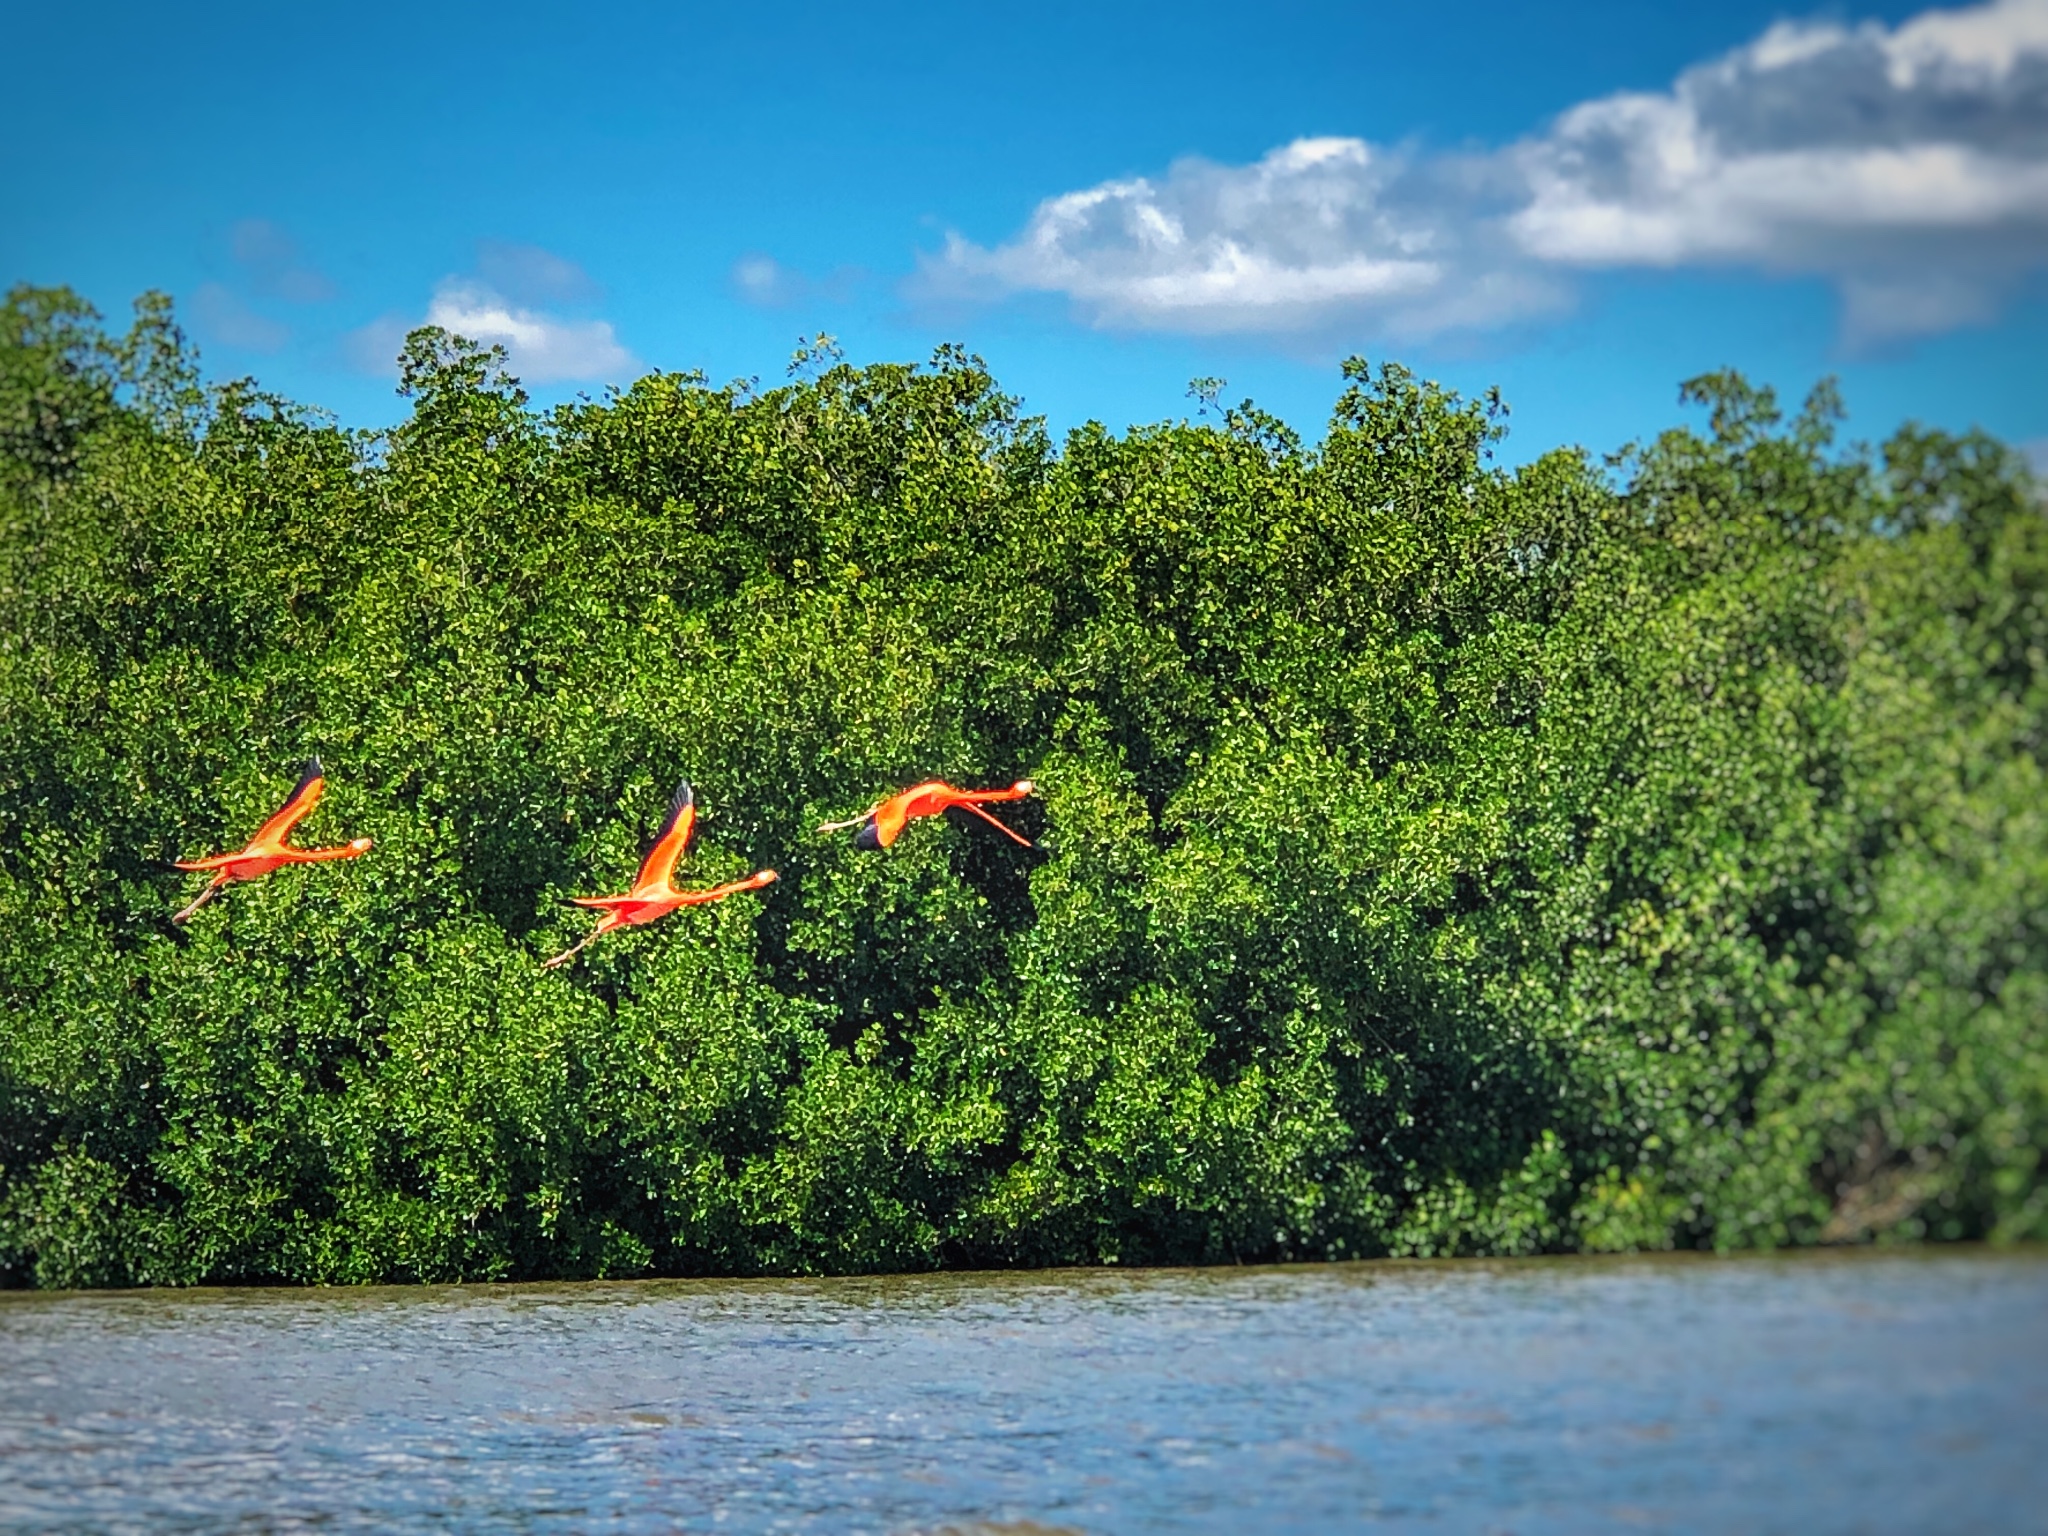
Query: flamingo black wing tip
{"x": 869, "y": 837}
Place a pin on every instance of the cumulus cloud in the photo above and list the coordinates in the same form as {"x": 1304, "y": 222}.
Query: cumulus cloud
{"x": 545, "y": 348}
{"x": 1908, "y": 165}
{"x": 1316, "y": 230}
{"x": 499, "y": 306}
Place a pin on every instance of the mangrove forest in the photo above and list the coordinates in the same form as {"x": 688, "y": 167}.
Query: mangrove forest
{"x": 1429, "y": 856}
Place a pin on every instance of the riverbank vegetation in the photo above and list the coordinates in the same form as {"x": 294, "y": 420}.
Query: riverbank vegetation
{"x": 1437, "y": 859}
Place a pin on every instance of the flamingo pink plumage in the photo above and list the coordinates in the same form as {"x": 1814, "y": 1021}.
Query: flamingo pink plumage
{"x": 270, "y": 849}
{"x": 654, "y": 894}
{"x": 884, "y": 821}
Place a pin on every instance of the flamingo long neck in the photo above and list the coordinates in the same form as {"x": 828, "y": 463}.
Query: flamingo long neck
{"x": 1018, "y": 791}
{"x": 316, "y": 855}
{"x": 753, "y": 882}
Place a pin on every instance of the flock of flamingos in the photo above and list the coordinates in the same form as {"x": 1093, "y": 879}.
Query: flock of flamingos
{"x": 654, "y": 893}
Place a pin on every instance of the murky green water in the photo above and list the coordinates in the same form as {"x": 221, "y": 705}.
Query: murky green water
{"x": 1808, "y": 1394}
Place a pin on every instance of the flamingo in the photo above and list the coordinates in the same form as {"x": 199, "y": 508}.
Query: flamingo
{"x": 269, "y": 849}
{"x": 883, "y": 822}
{"x": 654, "y": 894}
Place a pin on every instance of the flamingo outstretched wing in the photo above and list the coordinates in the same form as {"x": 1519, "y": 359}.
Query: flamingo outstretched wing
{"x": 672, "y": 841}
{"x": 297, "y": 808}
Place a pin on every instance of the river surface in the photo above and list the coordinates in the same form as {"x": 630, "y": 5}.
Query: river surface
{"x": 1872, "y": 1392}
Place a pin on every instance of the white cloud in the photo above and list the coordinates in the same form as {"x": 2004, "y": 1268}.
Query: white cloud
{"x": 1909, "y": 166}
{"x": 1317, "y": 229}
{"x": 545, "y": 347}
{"x": 1991, "y": 40}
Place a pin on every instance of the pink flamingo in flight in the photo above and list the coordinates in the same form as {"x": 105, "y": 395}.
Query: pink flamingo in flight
{"x": 883, "y": 822}
{"x": 270, "y": 848}
{"x": 654, "y": 894}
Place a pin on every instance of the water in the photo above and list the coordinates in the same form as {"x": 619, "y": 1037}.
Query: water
{"x": 1810, "y": 1394}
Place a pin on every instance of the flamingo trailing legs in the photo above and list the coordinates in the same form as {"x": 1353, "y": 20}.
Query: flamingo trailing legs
{"x": 270, "y": 848}
{"x": 654, "y": 894}
{"x": 884, "y": 821}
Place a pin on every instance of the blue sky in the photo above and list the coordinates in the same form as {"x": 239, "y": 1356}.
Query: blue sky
{"x": 1582, "y": 203}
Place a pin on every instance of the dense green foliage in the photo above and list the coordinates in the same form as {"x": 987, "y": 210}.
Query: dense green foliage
{"x": 1437, "y": 859}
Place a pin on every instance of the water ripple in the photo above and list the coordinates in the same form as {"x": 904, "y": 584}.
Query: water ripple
{"x": 1885, "y": 1392}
